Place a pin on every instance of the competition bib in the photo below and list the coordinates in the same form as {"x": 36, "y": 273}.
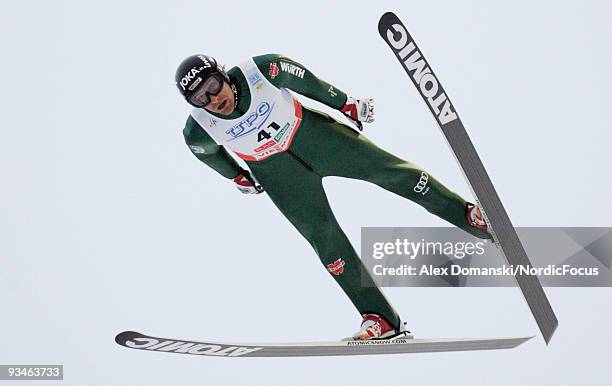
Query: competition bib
{"x": 265, "y": 129}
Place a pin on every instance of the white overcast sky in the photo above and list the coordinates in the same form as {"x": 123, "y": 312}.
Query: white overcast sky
{"x": 108, "y": 223}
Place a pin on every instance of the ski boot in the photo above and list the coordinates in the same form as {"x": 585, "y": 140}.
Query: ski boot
{"x": 375, "y": 327}
{"x": 474, "y": 217}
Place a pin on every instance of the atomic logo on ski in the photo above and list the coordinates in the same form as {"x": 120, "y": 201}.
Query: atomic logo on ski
{"x": 337, "y": 267}
{"x": 137, "y": 341}
{"x": 392, "y": 30}
{"x": 421, "y": 74}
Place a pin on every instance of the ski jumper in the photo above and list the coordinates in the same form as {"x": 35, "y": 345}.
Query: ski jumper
{"x": 290, "y": 148}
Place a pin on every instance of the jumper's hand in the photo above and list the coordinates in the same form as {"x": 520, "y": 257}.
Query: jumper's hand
{"x": 246, "y": 183}
{"x": 359, "y": 110}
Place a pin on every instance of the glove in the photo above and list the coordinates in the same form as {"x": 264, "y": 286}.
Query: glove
{"x": 246, "y": 183}
{"x": 359, "y": 110}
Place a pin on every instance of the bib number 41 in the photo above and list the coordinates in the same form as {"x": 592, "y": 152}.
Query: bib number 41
{"x": 263, "y": 135}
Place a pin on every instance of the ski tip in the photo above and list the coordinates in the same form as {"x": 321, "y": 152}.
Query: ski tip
{"x": 517, "y": 341}
{"x": 124, "y": 336}
{"x": 549, "y": 334}
{"x": 387, "y": 19}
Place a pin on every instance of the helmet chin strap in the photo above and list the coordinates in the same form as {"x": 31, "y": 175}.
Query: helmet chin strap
{"x": 235, "y": 91}
{"x": 233, "y": 87}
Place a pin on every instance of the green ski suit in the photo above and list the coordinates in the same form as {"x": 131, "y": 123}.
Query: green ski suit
{"x": 322, "y": 147}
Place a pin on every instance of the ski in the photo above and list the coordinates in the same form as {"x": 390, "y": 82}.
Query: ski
{"x": 418, "y": 69}
{"x": 139, "y": 341}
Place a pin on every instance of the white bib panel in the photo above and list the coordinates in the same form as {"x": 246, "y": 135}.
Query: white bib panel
{"x": 268, "y": 126}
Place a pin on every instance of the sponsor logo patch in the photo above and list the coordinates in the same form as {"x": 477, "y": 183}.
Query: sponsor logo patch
{"x": 191, "y": 74}
{"x": 281, "y": 132}
{"x": 253, "y": 122}
{"x": 197, "y": 149}
{"x": 195, "y": 84}
{"x": 255, "y": 80}
{"x": 185, "y": 80}
{"x": 273, "y": 72}
{"x": 421, "y": 186}
{"x": 292, "y": 69}
{"x": 337, "y": 267}
{"x": 332, "y": 92}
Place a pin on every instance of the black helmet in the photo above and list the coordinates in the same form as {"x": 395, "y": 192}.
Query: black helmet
{"x": 194, "y": 70}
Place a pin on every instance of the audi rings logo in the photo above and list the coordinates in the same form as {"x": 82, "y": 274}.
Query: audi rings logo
{"x": 421, "y": 186}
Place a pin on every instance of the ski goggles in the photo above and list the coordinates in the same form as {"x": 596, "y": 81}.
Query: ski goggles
{"x": 212, "y": 85}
